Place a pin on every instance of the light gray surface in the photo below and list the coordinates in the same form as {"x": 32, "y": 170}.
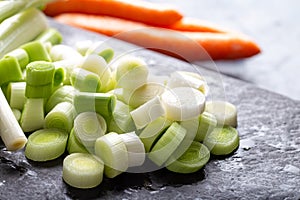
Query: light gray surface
{"x": 273, "y": 24}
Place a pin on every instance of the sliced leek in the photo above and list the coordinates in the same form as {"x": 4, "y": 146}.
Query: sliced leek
{"x": 88, "y": 126}
{"x": 132, "y": 72}
{"x": 50, "y": 35}
{"x": 183, "y": 103}
{"x": 46, "y": 144}
{"x": 11, "y": 39}
{"x": 147, "y": 112}
{"x": 11, "y": 133}
{"x": 194, "y": 158}
{"x": 135, "y": 149}
{"x": 16, "y": 94}
{"x": 102, "y": 103}
{"x": 39, "y": 73}
{"x": 62, "y": 94}
{"x": 10, "y": 70}
{"x": 85, "y": 81}
{"x": 63, "y": 52}
{"x": 61, "y": 117}
{"x": 121, "y": 121}
{"x": 21, "y": 56}
{"x": 82, "y": 170}
{"x": 75, "y": 146}
{"x": 225, "y": 112}
{"x": 101, "y": 49}
{"x": 152, "y": 132}
{"x": 112, "y": 150}
{"x": 222, "y": 140}
{"x": 36, "y": 51}
{"x": 32, "y": 115}
{"x": 207, "y": 123}
{"x": 167, "y": 144}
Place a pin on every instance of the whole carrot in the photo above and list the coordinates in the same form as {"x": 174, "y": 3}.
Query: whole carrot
{"x": 136, "y": 10}
{"x": 190, "y": 46}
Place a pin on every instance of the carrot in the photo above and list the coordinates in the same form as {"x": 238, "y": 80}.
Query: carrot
{"x": 195, "y": 25}
{"x": 189, "y": 46}
{"x": 136, "y": 10}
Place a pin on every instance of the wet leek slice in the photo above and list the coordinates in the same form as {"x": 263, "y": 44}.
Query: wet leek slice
{"x": 222, "y": 140}
{"x": 46, "y": 144}
{"x": 194, "y": 158}
{"x": 82, "y": 170}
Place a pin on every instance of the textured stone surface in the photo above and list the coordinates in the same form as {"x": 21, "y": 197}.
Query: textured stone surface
{"x": 266, "y": 164}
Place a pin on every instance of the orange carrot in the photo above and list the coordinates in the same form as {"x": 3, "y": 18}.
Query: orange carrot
{"x": 136, "y": 10}
{"x": 195, "y": 25}
{"x": 189, "y": 46}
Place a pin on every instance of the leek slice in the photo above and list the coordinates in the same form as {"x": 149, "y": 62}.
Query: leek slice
{"x": 135, "y": 149}
{"x": 194, "y": 158}
{"x": 36, "y": 51}
{"x": 75, "y": 146}
{"x": 152, "y": 132}
{"x": 222, "y": 140}
{"x": 32, "y": 115}
{"x": 10, "y": 70}
{"x": 50, "y": 35}
{"x": 82, "y": 170}
{"x": 85, "y": 81}
{"x": 207, "y": 123}
{"x": 112, "y": 150}
{"x": 88, "y": 126}
{"x": 225, "y": 112}
{"x": 61, "y": 117}
{"x": 167, "y": 144}
{"x": 17, "y": 30}
{"x": 183, "y": 103}
{"x": 21, "y": 56}
{"x": 62, "y": 94}
{"x": 39, "y": 73}
{"x": 46, "y": 144}
{"x": 16, "y": 94}
{"x": 10, "y": 130}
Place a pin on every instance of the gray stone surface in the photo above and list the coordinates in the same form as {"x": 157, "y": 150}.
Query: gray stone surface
{"x": 265, "y": 166}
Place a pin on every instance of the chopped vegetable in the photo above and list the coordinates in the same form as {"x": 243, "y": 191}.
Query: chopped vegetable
{"x": 50, "y": 35}
{"x": 21, "y": 56}
{"x": 46, "y": 144}
{"x": 82, "y": 170}
{"x": 225, "y": 112}
{"x": 135, "y": 149}
{"x": 85, "y": 81}
{"x": 143, "y": 11}
{"x": 102, "y": 103}
{"x": 75, "y": 146}
{"x": 147, "y": 113}
{"x": 167, "y": 144}
{"x": 36, "y": 51}
{"x": 101, "y": 49}
{"x": 18, "y": 30}
{"x": 222, "y": 140}
{"x": 207, "y": 123}
{"x": 16, "y": 94}
{"x": 194, "y": 158}
{"x": 61, "y": 117}
{"x": 33, "y": 115}
{"x": 10, "y": 130}
{"x": 10, "y": 70}
{"x": 183, "y": 103}
{"x": 112, "y": 150}
{"x": 88, "y": 126}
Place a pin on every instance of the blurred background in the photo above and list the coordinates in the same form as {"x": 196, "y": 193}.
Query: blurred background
{"x": 273, "y": 24}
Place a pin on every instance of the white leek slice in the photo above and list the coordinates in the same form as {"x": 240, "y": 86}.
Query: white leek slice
{"x": 112, "y": 150}
{"x": 88, "y": 126}
{"x": 10, "y": 130}
{"x": 63, "y": 52}
{"x": 32, "y": 115}
{"x": 188, "y": 79}
{"x": 183, "y": 103}
{"x": 16, "y": 93}
{"x": 225, "y": 112}
{"x": 147, "y": 112}
{"x": 135, "y": 149}
{"x": 82, "y": 170}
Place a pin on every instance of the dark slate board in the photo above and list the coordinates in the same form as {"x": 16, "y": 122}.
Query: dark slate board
{"x": 265, "y": 166}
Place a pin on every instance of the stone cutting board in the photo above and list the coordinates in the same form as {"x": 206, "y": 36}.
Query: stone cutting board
{"x": 265, "y": 166}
